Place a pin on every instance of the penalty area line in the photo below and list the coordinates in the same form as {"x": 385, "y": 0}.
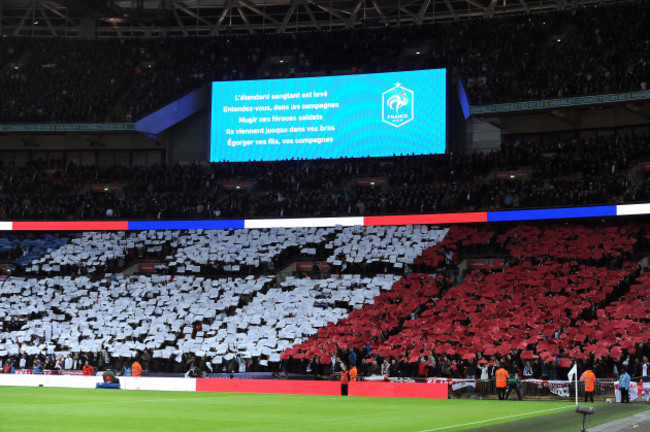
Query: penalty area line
{"x": 496, "y": 419}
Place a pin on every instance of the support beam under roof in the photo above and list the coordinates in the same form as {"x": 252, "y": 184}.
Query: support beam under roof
{"x": 382, "y": 17}
{"x": 148, "y": 18}
{"x": 27, "y": 13}
{"x": 353, "y": 15}
{"x": 245, "y": 19}
{"x": 451, "y": 9}
{"x": 311, "y": 15}
{"x": 287, "y": 17}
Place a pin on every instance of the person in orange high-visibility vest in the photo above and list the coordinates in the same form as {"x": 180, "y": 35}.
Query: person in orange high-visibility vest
{"x": 136, "y": 369}
{"x": 590, "y": 384}
{"x": 353, "y": 373}
{"x": 502, "y": 376}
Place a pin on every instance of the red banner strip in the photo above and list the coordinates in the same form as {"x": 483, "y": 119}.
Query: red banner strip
{"x": 329, "y": 388}
{"x": 71, "y": 226}
{"x": 441, "y": 218}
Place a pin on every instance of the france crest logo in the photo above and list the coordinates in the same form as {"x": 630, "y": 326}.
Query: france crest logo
{"x": 397, "y": 105}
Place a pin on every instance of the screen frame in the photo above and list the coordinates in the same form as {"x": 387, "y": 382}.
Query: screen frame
{"x": 446, "y": 104}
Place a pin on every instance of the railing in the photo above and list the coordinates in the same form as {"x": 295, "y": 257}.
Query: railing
{"x": 530, "y": 389}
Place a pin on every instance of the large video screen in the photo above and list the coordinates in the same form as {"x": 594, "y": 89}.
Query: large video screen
{"x": 369, "y": 115}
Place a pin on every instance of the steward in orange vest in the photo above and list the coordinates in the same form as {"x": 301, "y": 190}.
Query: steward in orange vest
{"x": 353, "y": 373}
{"x": 502, "y": 376}
{"x": 590, "y": 384}
{"x": 136, "y": 369}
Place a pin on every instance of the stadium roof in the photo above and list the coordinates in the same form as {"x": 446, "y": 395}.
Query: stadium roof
{"x": 154, "y": 18}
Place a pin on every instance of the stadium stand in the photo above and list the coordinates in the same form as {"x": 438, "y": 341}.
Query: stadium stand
{"x": 562, "y": 53}
{"x": 253, "y": 300}
{"x": 590, "y": 170}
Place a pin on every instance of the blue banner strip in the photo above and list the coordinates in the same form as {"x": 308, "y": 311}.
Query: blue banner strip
{"x": 186, "y": 225}
{"x": 557, "y": 213}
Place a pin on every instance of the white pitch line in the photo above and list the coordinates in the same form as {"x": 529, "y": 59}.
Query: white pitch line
{"x": 495, "y": 419}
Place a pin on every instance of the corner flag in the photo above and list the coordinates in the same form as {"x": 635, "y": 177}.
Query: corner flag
{"x": 573, "y": 372}
{"x": 573, "y": 375}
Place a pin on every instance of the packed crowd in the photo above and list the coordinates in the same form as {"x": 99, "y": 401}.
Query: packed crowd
{"x": 77, "y": 363}
{"x": 480, "y": 368}
{"x": 595, "y": 49}
{"x": 427, "y": 366}
{"x": 606, "y": 272}
{"x": 596, "y": 170}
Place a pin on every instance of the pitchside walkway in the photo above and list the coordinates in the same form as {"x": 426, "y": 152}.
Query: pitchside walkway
{"x": 636, "y": 423}
{"x": 637, "y": 415}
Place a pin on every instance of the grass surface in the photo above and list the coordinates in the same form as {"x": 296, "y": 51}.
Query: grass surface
{"x": 57, "y": 409}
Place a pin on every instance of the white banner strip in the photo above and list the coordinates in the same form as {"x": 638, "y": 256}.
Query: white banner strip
{"x": 303, "y": 222}
{"x": 632, "y": 209}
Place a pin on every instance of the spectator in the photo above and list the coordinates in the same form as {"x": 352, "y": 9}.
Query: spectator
{"x": 88, "y": 370}
{"x": 513, "y": 382}
{"x": 345, "y": 379}
{"x": 624, "y": 387}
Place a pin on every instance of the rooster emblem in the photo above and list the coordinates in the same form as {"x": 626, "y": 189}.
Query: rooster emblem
{"x": 397, "y": 101}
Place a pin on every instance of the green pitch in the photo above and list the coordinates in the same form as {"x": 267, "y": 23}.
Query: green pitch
{"x": 54, "y": 409}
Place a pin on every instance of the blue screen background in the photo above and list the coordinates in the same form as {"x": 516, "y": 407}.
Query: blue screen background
{"x": 360, "y": 129}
